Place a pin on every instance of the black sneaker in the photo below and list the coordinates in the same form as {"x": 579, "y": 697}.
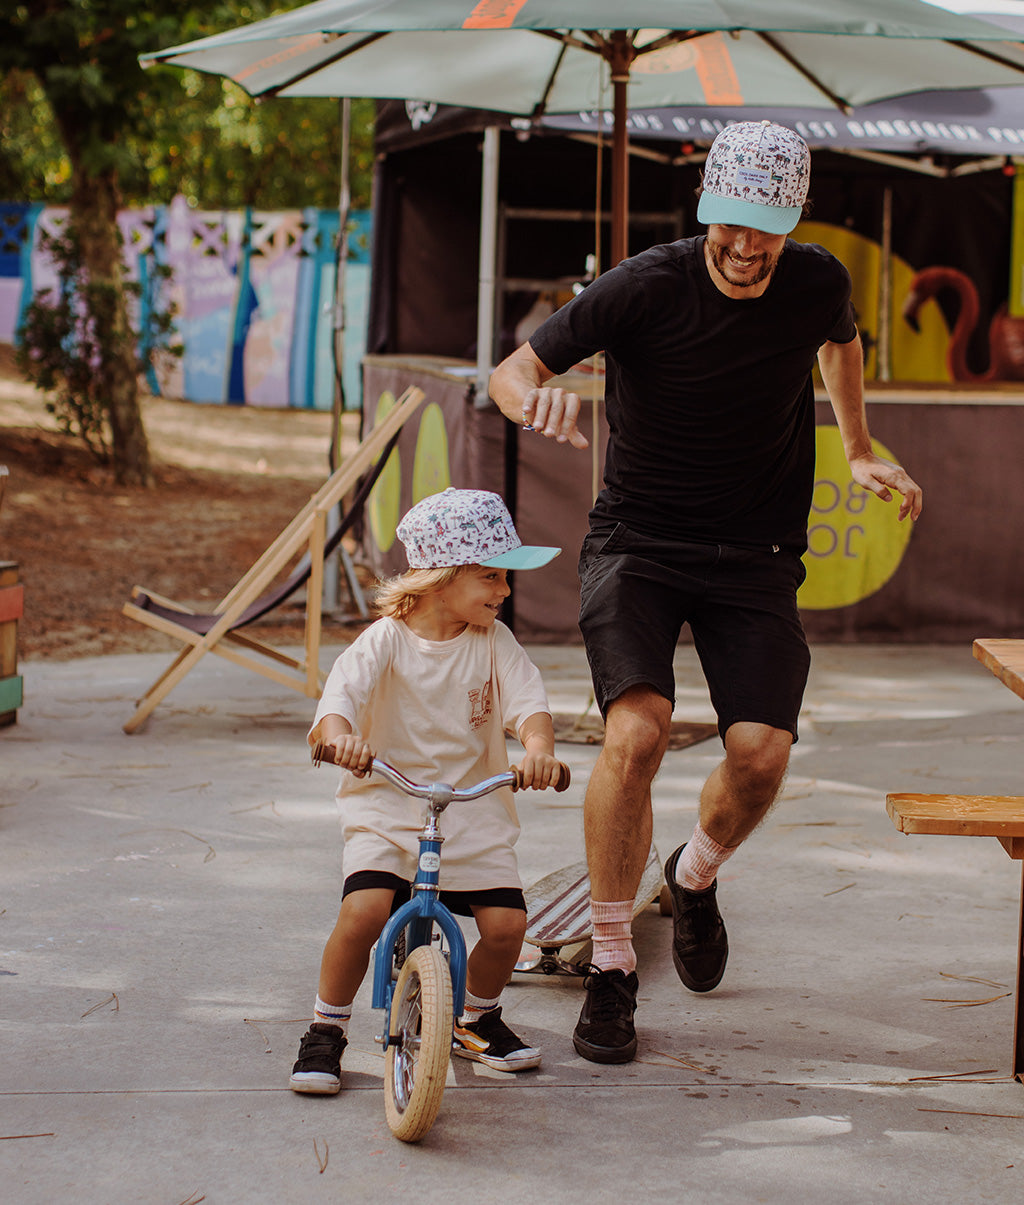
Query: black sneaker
{"x": 605, "y": 1032}
{"x": 318, "y": 1068}
{"x": 490, "y": 1041}
{"x": 700, "y": 947}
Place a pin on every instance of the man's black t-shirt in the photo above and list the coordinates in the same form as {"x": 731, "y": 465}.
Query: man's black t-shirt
{"x": 709, "y": 400}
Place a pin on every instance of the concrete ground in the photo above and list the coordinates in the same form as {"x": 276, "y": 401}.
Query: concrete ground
{"x": 165, "y": 898}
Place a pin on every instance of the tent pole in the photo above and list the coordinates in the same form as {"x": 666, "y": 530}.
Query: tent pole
{"x": 884, "y": 363}
{"x": 488, "y": 256}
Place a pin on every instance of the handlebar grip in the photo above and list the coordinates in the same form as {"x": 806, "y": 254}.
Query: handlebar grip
{"x": 321, "y": 753}
{"x": 564, "y": 778}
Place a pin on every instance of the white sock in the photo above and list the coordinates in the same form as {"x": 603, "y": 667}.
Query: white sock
{"x": 475, "y": 1007}
{"x": 337, "y": 1015}
{"x": 697, "y": 866}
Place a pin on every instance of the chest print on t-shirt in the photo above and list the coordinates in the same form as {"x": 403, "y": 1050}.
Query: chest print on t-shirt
{"x": 479, "y": 706}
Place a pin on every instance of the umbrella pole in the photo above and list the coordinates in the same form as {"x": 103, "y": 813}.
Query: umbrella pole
{"x": 620, "y": 58}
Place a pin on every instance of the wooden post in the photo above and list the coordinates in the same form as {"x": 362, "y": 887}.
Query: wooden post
{"x": 12, "y": 602}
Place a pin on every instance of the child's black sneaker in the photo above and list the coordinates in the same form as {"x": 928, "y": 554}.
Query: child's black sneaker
{"x": 490, "y": 1041}
{"x": 318, "y": 1068}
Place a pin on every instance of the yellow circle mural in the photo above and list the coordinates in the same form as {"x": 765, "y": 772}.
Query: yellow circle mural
{"x": 854, "y": 540}
{"x": 430, "y": 471}
{"x": 914, "y": 356}
{"x": 386, "y": 496}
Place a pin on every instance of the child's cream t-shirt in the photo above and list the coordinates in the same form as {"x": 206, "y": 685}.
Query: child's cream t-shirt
{"x": 437, "y": 711}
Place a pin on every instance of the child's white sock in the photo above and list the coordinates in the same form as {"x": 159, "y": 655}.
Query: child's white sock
{"x": 475, "y": 1007}
{"x": 697, "y": 866}
{"x": 613, "y": 935}
{"x": 332, "y": 1014}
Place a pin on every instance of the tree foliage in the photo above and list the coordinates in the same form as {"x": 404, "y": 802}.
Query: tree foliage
{"x": 82, "y": 123}
{"x": 191, "y": 134}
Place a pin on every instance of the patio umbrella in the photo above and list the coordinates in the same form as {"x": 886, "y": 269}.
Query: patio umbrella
{"x": 531, "y": 57}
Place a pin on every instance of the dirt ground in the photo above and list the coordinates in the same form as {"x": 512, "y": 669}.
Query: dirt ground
{"x": 229, "y": 479}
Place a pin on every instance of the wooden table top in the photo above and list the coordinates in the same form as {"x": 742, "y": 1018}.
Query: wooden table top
{"x": 1005, "y": 658}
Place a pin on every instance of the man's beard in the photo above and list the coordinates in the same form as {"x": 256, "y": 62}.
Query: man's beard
{"x": 720, "y": 259}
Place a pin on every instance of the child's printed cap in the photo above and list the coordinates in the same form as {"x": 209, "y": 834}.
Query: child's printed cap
{"x": 466, "y": 527}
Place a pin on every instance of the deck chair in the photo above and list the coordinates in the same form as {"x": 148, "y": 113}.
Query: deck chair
{"x": 255, "y": 594}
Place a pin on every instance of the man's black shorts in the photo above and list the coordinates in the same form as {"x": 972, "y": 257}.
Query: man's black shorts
{"x": 636, "y": 592}
{"x": 459, "y": 902}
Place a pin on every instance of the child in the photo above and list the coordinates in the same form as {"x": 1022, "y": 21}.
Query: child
{"x": 433, "y": 685}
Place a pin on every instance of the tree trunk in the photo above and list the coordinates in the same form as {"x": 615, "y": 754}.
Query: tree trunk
{"x": 94, "y": 214}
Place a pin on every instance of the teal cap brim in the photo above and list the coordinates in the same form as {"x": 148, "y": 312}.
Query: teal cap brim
{"x": 526, "y": 556}
{"x": 731, "y": 211}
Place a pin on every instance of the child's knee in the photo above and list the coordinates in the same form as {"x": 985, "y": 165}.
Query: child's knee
{"x": 363, "y": 915}
{"x": 502, "y": 927}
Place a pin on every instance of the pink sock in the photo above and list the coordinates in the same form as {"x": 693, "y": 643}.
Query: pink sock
{"x": 698, "y": 864}
{"x": 613, "y": 935}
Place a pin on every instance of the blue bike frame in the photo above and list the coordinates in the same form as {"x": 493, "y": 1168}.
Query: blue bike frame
{"x": 425, "y": 909}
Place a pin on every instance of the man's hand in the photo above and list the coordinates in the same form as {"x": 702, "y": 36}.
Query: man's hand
{"x": 554, "y": 414}
{"x": 517, "y": 387}
{"x": 882, "y": 477}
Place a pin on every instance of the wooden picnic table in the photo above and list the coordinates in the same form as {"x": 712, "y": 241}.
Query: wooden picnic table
{"x": 999, "y": 816}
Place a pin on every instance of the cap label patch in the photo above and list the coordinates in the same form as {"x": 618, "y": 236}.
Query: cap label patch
{"x": 755, "y": 177}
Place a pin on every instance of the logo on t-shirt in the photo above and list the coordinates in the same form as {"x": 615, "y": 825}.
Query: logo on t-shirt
{"x": 479, "y": 706}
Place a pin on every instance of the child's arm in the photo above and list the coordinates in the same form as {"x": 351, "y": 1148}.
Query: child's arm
{"x": 351, "y": 752}
{"x": 539, "y": 768}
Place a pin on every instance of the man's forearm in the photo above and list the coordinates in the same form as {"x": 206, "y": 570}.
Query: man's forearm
{"x": 842, "y": 371}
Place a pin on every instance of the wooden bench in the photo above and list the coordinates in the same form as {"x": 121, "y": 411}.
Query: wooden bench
{"x": 12, "y": 605}
{"x": 999, "y": 816}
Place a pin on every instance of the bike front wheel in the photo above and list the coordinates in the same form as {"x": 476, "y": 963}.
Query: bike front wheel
{"x": 419, "y": 1044}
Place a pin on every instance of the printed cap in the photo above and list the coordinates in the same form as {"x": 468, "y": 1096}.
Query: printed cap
{"x": 757, "y": 174}
{"x": 466, "y": 527}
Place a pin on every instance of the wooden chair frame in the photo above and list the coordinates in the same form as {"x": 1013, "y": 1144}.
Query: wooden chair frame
{"x": 307, "y": 531}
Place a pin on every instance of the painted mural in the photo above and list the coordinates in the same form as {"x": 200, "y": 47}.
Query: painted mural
{"x": 253, "y": 293}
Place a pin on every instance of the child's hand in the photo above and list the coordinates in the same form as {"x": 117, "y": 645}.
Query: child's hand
{"x": 351, "y": 752}
{"x": 539, "y": 771}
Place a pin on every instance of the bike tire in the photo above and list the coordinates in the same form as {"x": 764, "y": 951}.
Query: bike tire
{"x": 416, "y": 1061}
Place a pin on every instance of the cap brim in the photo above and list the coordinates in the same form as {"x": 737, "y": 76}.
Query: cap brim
{"x": 730, "y": 211}
{"x": 527, "y": 556}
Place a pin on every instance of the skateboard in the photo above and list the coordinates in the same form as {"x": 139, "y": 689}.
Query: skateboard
{"x": 558, "y": 914}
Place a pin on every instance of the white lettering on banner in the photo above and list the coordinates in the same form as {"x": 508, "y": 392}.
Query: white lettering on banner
{"x": 823, "y": 539}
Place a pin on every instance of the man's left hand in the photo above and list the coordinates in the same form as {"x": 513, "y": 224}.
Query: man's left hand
{"x": 883, "y": 478}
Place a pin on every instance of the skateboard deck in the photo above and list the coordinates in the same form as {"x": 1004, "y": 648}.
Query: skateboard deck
{"x": 558, "y": 913}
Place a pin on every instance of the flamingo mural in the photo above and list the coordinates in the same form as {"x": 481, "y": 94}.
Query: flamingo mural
{"x": 1005, "y": 333}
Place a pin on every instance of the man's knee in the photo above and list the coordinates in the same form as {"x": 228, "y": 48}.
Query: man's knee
{"x": 637, "y": 730}
{"x": 757, "y": 757}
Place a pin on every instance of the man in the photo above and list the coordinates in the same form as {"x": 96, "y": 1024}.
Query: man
{"x": 709, "y": 344}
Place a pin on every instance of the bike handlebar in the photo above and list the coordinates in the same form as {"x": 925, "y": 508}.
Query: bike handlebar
{"x": 509, "y": 778}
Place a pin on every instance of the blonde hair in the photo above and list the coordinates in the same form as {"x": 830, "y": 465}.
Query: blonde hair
{"x": 397, "y": 596}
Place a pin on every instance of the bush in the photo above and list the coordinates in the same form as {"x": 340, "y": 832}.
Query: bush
{"x": 68, "y": 340}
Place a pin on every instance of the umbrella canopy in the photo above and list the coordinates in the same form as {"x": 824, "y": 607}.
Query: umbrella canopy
{"x": 966, "y": 123}
{"x": 531, "y": 57}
